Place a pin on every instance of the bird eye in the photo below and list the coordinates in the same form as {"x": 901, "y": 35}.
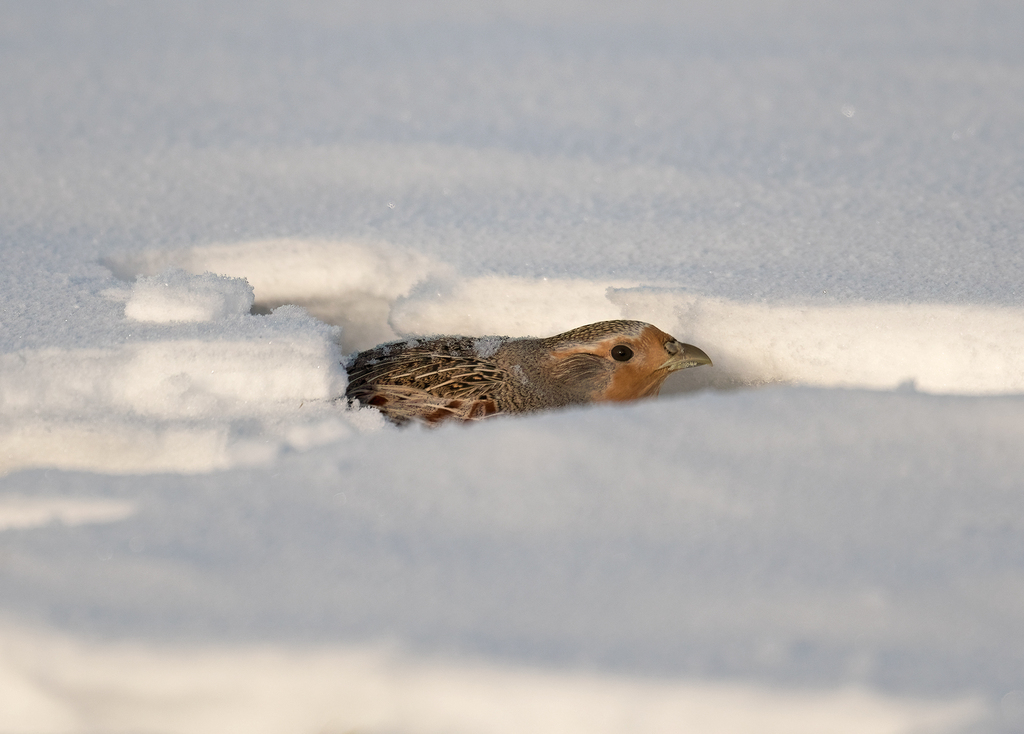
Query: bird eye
{"x": 622, "y": 353}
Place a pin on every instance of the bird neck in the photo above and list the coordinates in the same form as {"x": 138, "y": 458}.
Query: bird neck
{"x": 541, "y": 377}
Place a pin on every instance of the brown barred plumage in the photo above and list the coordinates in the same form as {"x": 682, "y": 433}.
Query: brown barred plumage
{"x": 462, "y": 378}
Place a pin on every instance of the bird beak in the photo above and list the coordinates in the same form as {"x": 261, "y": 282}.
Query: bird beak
{"x": 683, "y": 356}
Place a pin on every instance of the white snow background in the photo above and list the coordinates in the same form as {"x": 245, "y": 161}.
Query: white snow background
{"x": 205, "y": 206}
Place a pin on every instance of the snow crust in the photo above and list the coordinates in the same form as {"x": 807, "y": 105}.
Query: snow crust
{"x": 351, "y": 284}
{"x": 176, "y": 296}
{"x": 212, "y": 387}
{"x": 936, "y": 348}
{"x": 204, "y": 209}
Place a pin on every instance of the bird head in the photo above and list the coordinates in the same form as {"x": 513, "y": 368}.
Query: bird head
{"x": 618, "y": 360}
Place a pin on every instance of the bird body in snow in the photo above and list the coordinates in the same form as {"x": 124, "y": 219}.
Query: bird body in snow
{"x": 466, "y": 378}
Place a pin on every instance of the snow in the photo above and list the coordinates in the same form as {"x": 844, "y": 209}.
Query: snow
{"x": 177, "y": 296}
{"x": 204, "y": 209}
{"x": 381, "y": 690}
{"x": 28, "y": 512}
{"x": 207, "y": 385}
{"x": 348, "y": 283}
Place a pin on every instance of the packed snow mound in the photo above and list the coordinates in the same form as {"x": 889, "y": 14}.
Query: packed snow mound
{"x": 348, "y": 283}
{"x": 238, "y": 366}
{"x": 378, "y": 293}
{"x": 198, "y": 383}
{"x": 175, "y": 295}
{"x": 936, "y": 348}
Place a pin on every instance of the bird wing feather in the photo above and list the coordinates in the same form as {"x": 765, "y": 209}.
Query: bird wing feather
{"x": 426, "y": 384}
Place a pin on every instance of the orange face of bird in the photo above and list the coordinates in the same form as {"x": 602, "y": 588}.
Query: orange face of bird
{"x": 638, "y": 363}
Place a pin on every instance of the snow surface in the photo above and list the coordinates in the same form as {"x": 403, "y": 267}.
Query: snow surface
{"x": 204, "y": 207}
{"x": 175, "y": 295}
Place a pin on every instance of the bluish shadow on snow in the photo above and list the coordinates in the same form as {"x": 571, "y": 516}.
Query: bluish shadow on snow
{"x": 759, "y": 535}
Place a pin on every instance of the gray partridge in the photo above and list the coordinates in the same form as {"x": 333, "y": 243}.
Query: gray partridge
{"x": 466, "y": 378}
